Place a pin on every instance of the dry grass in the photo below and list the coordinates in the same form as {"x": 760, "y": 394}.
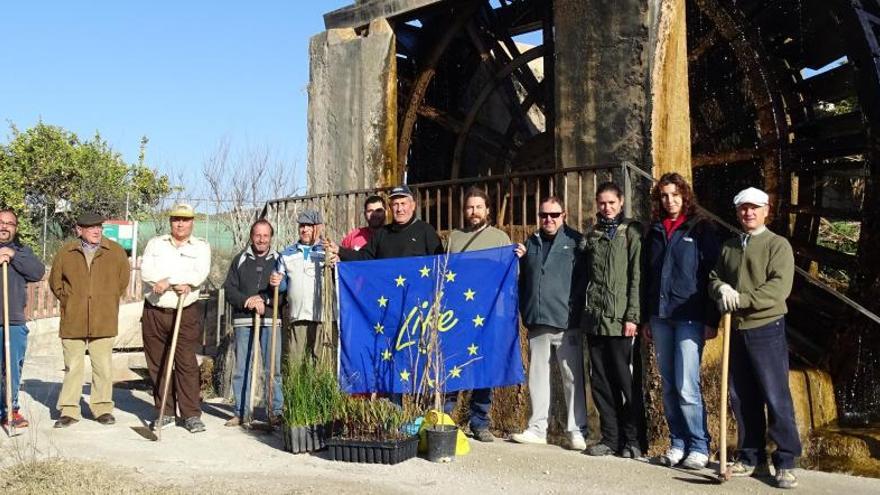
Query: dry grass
{"x": 61, "y": 476}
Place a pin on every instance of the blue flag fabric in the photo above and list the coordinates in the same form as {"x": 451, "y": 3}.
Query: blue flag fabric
{"x": 385, "y": 314}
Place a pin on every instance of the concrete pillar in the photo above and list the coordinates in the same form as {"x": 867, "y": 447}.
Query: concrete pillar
{"x": 602, "y": 67}
{"x": 352, "y": 109}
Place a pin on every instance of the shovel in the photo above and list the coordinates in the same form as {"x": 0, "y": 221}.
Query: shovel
{"x": 272, "y": 343}
{"x": 7, "y": 368}
{"x": 169, "y": 365}
{"x": 723, "y": 470}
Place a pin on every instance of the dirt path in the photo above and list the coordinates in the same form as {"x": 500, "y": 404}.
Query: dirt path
{"x": 221, "y": 459}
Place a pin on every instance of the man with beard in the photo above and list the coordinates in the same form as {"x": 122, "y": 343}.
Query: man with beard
{"x": 174, "y": 266}
{"x": 476, "y": 234}
{"x": 299, "y": 273}
{"x": 374, "y": 214}
{"x": 23, "y": 267}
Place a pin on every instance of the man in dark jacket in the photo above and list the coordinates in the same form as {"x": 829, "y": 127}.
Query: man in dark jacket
{"x": 405, "y": 236}
{"x": 89, "y": 276}
{"x": 23, "y": 267}
{"x": 248, "y": 291}
{"x": 551, "y": 288}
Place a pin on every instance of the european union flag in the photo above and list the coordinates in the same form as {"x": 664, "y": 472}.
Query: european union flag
{"x": 387, "y": 311}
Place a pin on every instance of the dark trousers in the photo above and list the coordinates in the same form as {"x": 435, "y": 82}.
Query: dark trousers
{"x": 759, "y": 379}
{"x": 481, "y": 402}
{"x": 157, "y": 325}
{"x": 611, "y": 381}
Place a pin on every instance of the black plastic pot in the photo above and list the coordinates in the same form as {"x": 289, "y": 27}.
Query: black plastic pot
{"x": 373, "y": 452}
{"x": 300, "y": 439}
{"x": 441, "y": 442}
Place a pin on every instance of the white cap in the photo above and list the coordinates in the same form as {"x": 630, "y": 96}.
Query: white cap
{"x": 752, "y": 196}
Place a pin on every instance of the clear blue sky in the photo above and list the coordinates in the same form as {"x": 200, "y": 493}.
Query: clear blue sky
{"x": 185, "y": 73}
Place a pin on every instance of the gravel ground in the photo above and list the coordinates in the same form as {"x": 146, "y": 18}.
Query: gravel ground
{"x": 223, "y": 459}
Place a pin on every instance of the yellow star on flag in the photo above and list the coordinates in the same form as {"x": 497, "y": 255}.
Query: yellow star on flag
{"x": 404, "y": 376}
{"x": 386, "y": 355}
{"x": 469, "y": 295}
{"x": 425, "y": 271}
{"x": 455, "y": 372}
{"x": 379, "y": 328}
{"x": 478, "y": 321}
{"x": 383, "y": 301}
{"x": 430, "y": 383}
{"x": 450, "y": 276}
{"x": 472, "y": 350}
{"x": 400, "y": 280}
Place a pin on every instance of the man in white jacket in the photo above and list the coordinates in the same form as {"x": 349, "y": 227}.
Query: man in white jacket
{"x": 298, "y": 273}
{"x": 175, "y": 265}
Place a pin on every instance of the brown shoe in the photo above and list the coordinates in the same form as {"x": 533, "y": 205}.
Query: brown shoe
{"x": 106, "y": 419}
{"x": 65, "y": 421}
{"x": 233, "y": 421}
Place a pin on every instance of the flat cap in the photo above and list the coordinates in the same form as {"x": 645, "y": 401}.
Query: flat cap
{"x": 309, "y": 217}
{"x": 89, "y": 219}
{"x": 401, "y": 190}
{"x": 752, "y": 196}
{"x": 182, "y": 210}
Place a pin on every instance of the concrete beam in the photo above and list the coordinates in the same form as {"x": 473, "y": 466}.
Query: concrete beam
{"x": 363, "y": 13}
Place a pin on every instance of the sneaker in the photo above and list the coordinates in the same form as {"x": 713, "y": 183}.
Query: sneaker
{"x": 785, "y": 478}
{"x": 233, "y": 421}
{"x": 484, "y": 435}
{"x": 64, "y": 422}
{"x": 576, "y": 441}
{"x": 631, "y": 452}
{"x": 194, "y": 424}
{"x": 106, "y": 419}
{"x": 18, "y": 421}
{"x": 695, "y": 460}
{"x": 740, "y": 469}
{"x": 671, "y": 458}
{"x": 529, "y": 436}
{"x": 167, "y": 422}
{"x": 600, "y": 449}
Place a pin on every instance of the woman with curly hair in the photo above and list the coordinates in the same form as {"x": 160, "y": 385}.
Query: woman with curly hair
{"x": 681, "y": 249}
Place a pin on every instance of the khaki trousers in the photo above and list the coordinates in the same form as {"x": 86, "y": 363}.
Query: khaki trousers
{"x": 101, "y": 394}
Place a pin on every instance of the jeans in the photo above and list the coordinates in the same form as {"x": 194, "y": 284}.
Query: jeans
{"x": 241, "y": 377}
{"x": 17, "y": 347}
{"x": 568, "y": 345}
{"x": 759, "y": 379}
{"x": 679, "y": 348}
{"x": 481, "y": 402}
{"x": 615, "y": 391}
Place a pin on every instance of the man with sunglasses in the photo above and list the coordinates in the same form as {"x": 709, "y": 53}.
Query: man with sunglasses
{"x": 551, "y": 288}
{"x": 23, "y": 267}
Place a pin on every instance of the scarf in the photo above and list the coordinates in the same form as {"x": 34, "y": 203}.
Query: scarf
{"x": 608, "y": 225}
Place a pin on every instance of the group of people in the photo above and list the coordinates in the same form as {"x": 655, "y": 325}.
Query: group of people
{"x": 604, "y": 288}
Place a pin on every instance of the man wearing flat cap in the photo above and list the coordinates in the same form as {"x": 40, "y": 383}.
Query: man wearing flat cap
{"x": 89, "y": 276}
{"x": 174, "y": 266}
{"x": 298, "y": 273}
{"x": 406, "y": 235}
{"x": 752, "y": 280}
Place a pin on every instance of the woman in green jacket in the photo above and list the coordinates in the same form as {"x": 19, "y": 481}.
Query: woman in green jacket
{"x": 611, "y": 317}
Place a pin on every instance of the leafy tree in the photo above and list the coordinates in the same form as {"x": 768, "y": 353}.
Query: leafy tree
{"x": 49, "y": 167}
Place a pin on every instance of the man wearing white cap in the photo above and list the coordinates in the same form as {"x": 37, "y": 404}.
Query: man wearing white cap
{"x": 175, "y": 265}
{"x": 298, "y": 272}
{"x": 752, "y": 280}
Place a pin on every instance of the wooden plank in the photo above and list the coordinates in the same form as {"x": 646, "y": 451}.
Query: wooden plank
{"x": 824, "y": 255}
{"x": 361, "y": 14}
{"x": 830, "y": 213}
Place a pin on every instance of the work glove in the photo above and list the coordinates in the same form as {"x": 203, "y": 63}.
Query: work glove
{"x": 729, "y": 301}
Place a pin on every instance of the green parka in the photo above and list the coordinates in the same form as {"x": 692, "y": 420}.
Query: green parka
{"x": 614, "y": 279}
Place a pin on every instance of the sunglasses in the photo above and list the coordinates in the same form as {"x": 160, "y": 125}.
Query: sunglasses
{"x": 550, "y": 214}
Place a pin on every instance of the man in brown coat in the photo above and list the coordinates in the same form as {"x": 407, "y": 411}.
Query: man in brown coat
{"x": 89, "y": 276}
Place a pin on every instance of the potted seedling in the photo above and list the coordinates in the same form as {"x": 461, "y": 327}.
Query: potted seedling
{"x": 312, "y": 400}
{"x": 372, "y": 431}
